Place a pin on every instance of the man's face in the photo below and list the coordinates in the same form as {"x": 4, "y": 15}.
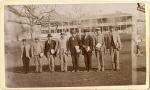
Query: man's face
{"x": 24, "y": 42}
{"x": 86, "y": 33}
{"x": 36, "y": 41}
{"x": 112, "y": 30}
{"x": 62, "y": 36}
{"x": 99, "y": 32}
{"x": 49, "y": 38}
{"x": 74, "y": 34}
{"x": 116, "y": 30}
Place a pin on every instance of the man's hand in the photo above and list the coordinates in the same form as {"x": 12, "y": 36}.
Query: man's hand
{"x": 93, "y": 52}
{"x": 68, "y": 52}
{"x": 29, "y": 58}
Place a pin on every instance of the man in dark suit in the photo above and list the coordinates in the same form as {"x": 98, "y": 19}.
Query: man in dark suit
{"x": 87, "y": 47}
{"x": 50, "y": 52}
{"x": 74, "y": 48}
{"x": 107, "y": 39}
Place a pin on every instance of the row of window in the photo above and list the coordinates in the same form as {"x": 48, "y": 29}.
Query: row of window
{"x": 87, "y": 21}
{"x": 105, "y": 28}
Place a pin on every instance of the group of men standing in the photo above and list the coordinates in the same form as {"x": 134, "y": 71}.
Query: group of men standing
{"x": 74, "y": 45}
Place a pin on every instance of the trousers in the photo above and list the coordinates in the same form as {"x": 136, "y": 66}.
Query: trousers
{"x": 51, "y": 61}
{"x": 115, "y": 59}
{"x": 25, "y": 61}
{"x": 38, "y": 63}
{"x": 75, "y": 61}
{"x": 100, "y": 59}
{"x": 63, "y": 60}
{"x": 87, "y": 60}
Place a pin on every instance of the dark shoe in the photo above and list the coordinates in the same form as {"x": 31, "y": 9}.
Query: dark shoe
{"x": 73, "y": 71}
{"x": 102, "y": 69}
{"x": 77, "y": 71}
{"x": 65, "y": 71}
{"x": 85, "y": 71}
{"x": 118, "y": 69}
{"x": 25, "y": 72}
{"x": 97, "y": 70}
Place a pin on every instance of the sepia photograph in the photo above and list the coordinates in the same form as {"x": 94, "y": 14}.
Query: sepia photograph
{"x": 75, "y": 45}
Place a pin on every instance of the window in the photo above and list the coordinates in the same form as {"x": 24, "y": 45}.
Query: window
{"x": 123, "y": 19}
{"x": 129, "y": 18}
{"x": 99, "y": 20}
{"x": 60, "y": 30}
{"x": 105, "y": 28}
{"x": 118, "y": 27}
{"x": 52, "y": 31}
{"x": 123, "y": 27}
{"x": 45, "y": 31}
{"x": 129, "y": 25}
{"x": 104, "y": 20}
{"x": 77, "y": 30}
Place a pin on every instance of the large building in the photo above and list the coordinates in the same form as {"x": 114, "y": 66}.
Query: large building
{"x": 59, "y": 23}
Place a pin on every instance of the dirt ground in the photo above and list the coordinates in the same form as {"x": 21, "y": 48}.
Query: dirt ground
{"x": 16, "y": 78}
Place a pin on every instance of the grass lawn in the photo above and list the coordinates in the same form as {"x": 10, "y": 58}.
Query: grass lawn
{"x": 15, "y": 77}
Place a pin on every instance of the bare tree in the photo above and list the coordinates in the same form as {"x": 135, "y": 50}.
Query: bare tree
{"x": 33, "y": 13}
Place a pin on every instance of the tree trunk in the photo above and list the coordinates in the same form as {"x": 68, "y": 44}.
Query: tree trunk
{"x": 31, "y": 32}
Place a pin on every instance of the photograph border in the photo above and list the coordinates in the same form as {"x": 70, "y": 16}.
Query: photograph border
{"x": 20, "y": 2}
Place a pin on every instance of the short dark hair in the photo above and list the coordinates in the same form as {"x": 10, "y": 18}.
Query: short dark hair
{"x": 36, "y": 39}
{"x": 23, "y": 40}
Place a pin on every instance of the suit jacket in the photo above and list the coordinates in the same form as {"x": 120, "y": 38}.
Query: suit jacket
{"x": 72, "y": 42}
{"x": 87, "y": 41}
{"x": 37, "y": 48}
{"x": 27, "y": 49}
{"x": 100, "y": 39}
{"x": 107, "y": 39}
{"x": 115, "y": 41}
{"x": 52, "y": 45}
{"x": 63, "y": 43}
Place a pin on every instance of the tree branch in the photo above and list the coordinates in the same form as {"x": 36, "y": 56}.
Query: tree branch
{"x": 30, "y": 11}
{"x": 19, "y": 22}
{"x": 15, "y": 11}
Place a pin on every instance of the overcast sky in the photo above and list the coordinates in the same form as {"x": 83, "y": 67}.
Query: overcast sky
{"x": 97, "y": 8}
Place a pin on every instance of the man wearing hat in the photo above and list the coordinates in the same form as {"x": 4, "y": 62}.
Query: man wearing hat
{"x": 50, "y": 52}
{"x": 63, "y": 52}
{"x": 74, "y": 48}
{"x": 37, "y": 49}
{"x": 115, "y": 46}
{"x": 87, "y": 47}
{"x": 25, "y": 55}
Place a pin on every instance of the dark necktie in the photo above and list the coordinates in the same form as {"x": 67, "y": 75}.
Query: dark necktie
{"x": 24, "y": 52}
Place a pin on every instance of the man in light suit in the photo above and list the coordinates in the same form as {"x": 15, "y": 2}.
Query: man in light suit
{"x": 63, "y": 53}
{"x": 25, "y": 55}
{"x": 37, "y": 50}
{"x": 99, "y": 50}
{"x": 115, "y": 46}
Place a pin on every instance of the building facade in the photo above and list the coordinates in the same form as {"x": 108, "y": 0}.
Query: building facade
{"x": 122, "y": 21}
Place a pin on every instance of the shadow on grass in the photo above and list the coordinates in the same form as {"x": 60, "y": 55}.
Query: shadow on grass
{"x": 143, "y": 69}
{"x": 45, "y": 69}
